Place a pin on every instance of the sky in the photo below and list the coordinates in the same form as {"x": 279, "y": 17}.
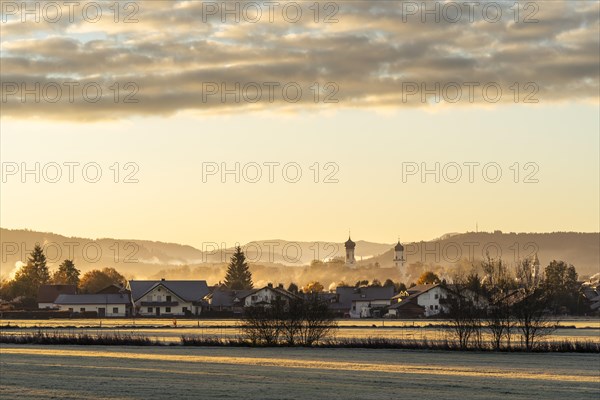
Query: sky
{"x": 185, "y": 159}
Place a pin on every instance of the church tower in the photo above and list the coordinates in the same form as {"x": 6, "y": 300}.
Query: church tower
{"x": 399, "y": 255}
{"x": 350, "y": 245}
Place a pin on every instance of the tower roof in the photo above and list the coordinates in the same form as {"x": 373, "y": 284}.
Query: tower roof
{"x": 349, "y": 243}
{"x": 399, "y": 247}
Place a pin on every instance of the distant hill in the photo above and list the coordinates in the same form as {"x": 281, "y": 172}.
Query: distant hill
{"x": 141, "y": 258}
{"x": 580, "y": 249}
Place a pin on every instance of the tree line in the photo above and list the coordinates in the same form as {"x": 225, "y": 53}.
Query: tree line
{"x": 23, "y": 288}
{"x": 505, "y": 302}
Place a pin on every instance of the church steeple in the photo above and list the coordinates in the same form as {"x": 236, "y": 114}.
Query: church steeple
{"x": 350, "y": 246}
{"x": 399, "y": 255}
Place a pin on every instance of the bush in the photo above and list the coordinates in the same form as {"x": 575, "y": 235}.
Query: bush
{"x": 300, "y": 321}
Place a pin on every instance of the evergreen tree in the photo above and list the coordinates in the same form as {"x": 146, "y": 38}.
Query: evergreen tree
{"x": 33, "y": 274}
{"x": 67, "y": 274}
{"x": 238, "y": 275}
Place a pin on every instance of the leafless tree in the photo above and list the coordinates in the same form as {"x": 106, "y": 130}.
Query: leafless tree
{"x": 532, "y": 318}
{"x": 462, "y": 307}
{"x": 299, "y": 321}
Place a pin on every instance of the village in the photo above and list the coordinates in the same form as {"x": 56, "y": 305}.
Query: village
{"x": 196, "y": 299}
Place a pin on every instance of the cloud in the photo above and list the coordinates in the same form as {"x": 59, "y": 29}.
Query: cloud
{"x": 170, "y": 60}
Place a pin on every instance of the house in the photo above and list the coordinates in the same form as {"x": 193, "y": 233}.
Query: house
{"x": 266, "y": 295}
{"x": 105, "y": 305}
{"x": 48, "y": 293}
{"x": 591, "y": 292}
{"x": 362, "y": 302}
{"x": 422, "y": 301}
{"x": 222, "y": 299}
{"x": 168, "y": 298}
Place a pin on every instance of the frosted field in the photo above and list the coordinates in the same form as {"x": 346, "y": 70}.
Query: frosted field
{"x": 166, "y": 331}
{"x": 98, "y": 372}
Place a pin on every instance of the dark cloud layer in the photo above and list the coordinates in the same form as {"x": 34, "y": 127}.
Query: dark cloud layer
{"x": 176, "y": 57}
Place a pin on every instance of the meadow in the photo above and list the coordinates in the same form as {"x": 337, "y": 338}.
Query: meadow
{"x": 107, "y": 372}
{"x": 170, "y": 331}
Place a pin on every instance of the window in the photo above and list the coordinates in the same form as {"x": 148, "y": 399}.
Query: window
{"x": 184, "y": 310}
{"x": 431, "y": 307}
{"x": 168, "y": 298}
{"x": 71, "y": 309}
{"x": 437, "y": 296}
{"x": 82, "y": 309}
{"x": 167, "y": 309}
{"x": 436, "y": 306}
{"x": 149, "y": 309}
{"x": 254, "y": 298}
{"x": 115, "y": 310}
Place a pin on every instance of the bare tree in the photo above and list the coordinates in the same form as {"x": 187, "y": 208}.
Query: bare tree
{"x": 462, "y": 307}
{"x": 530, "y": 306}
{"x": 318, "y": 322}
{"x": 297, "y": 321}
{"x": 262, "y": 324}
{"x": 500, "y": 321}
{"x": 498, "y": 286}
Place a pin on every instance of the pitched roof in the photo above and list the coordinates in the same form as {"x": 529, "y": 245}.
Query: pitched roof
{"x": 348, "y": 294}
{"x": 112, "y": 289}
{"x": 49, "y": 293}
{"x": 223, "y": 297}
{"x": 414, "y": 293}
{"x": 278, "y": 290}
{"x": 421, "y": 288}
{"x": 186, "y": 290}
{"x": 67, "y": 299}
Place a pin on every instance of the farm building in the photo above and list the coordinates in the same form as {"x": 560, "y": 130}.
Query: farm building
{"x": 105, "y": 305}
{"x": 224, "y": 299}
{"x": 363, "y": 302}
{"x": 48, "y": 293}
{"x": 168, "y": 298}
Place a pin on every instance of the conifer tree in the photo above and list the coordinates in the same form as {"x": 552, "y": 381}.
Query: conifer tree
{"x": 238, "y": 275}
{"x": 33, "y": 274}
{"x": 67, "y": 274}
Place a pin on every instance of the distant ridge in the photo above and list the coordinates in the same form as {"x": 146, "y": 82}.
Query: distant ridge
{"x": 144, "y": 258}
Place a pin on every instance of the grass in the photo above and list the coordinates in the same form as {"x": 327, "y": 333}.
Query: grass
{"x": 57, "y": 338}
{"x": 564, "y": 346}
{"x": 118, "y": 339}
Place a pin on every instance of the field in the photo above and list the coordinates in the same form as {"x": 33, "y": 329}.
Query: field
{"x": 93, "y": 372}
{"x": 166, "y": 331}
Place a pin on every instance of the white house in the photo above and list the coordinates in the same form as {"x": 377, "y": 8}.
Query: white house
{"x": 106, "y": 305}
{"x": 168, "y": 298}
{"x": 266, "y": 296}
{"x": 422, "y": 301}
{"x": 429, "y": 299}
